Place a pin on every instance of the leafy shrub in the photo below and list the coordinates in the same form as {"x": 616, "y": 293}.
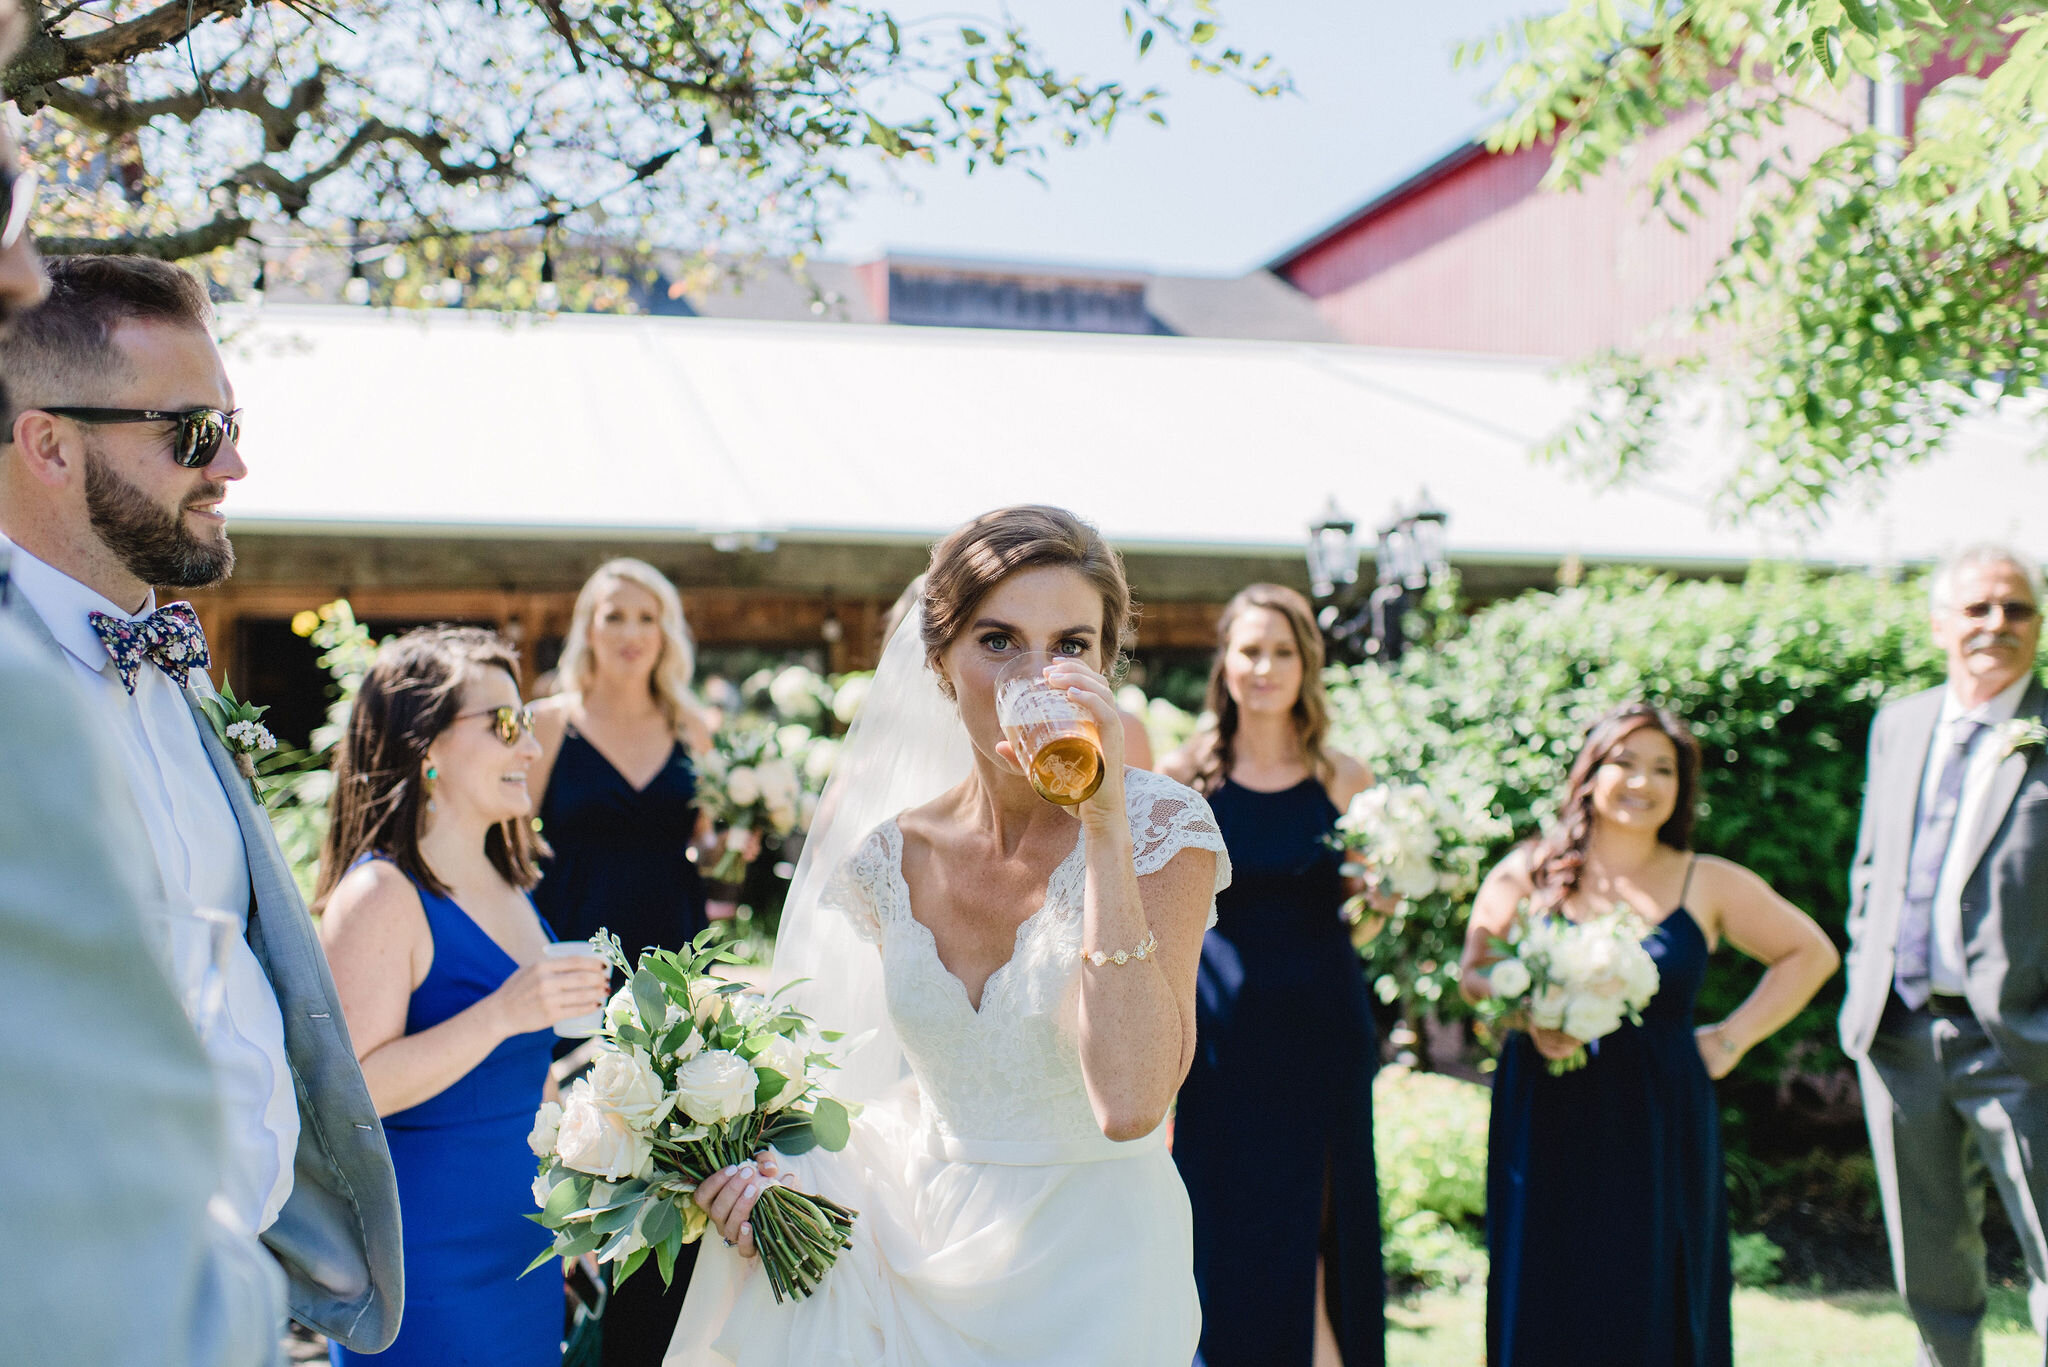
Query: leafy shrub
{"x": 1755, "y": 1259}
{"x": 1778, "y": 676}
{"x": 1431, "y": 1148}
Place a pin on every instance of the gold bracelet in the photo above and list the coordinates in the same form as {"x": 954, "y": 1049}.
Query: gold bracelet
{"x": 1123, "y": 956}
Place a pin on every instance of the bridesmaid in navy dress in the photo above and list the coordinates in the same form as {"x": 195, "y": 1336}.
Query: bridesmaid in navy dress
{"x": 439, "y": 960}
{"x": 1283, "y": 1021}
{"x": 1607, "y": 1217}
{"x": 618, "y": 809}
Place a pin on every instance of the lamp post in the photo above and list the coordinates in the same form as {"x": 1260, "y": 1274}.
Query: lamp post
{"x": 1409, "y": 556}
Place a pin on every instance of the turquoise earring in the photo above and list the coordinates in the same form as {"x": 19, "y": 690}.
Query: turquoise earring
{"x": 431, "y": 775}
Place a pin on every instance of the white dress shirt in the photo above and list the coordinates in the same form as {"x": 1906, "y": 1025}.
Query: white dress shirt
{"x": 199, "y": 851}
{"x": 1946, "y": 968}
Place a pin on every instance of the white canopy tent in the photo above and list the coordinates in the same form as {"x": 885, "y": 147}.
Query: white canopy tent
{"x": 448, "y": 421}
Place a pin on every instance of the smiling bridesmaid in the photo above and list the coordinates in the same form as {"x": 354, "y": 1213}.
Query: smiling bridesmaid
{"x": 1606, "y": 1207}
{"x": 618, "y": 806}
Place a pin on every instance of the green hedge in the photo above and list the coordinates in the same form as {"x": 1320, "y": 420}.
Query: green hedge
{"x": 1778, "y": 675}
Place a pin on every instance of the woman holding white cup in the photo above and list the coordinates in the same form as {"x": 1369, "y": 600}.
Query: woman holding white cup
{"x": 450, "y": 982}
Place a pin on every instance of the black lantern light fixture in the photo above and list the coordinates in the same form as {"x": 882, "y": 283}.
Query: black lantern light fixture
{"x": 1410, "y": 555}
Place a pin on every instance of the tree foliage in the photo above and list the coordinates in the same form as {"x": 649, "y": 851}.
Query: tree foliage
{"x": 1874, "y": 295}
{"x": 181, "y": 127}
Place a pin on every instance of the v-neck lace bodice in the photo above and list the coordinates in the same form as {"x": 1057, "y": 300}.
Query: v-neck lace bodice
{"x": 1010, "y": 1072}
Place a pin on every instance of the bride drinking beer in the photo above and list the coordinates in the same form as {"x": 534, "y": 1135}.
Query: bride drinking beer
{"x": 1036, "y": 959}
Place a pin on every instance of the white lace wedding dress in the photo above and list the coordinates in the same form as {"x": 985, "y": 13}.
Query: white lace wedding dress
{"x": 997, "y": 1225}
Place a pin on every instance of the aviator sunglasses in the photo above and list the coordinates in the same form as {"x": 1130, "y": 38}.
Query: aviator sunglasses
{"x": 507, "y": 721}
{"x": 200, "y": 430}
{"x": 2017, "y": 610}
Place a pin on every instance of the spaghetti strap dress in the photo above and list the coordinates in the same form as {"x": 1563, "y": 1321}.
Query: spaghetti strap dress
{"x": 1283, "y": 1028}
{"x": 621, "y": 854}
{"x": 1607, "y": 1212}
{"x": 621, "y": 863}
{"x": 465, "y": 1181}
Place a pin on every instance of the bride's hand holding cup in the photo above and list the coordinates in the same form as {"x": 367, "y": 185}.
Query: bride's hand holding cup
{"x": 1063, "y": 731}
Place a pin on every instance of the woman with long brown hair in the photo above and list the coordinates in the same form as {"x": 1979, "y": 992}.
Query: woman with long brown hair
{"x": 441, "y": 965}
{"x": 1607, "y": 1219}
{"x": 1279, "y": 965}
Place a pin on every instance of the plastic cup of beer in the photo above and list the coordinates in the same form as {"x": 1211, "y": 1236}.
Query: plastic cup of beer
{"x": 1055, "y": 739}
{"x": 590, "y": 1022}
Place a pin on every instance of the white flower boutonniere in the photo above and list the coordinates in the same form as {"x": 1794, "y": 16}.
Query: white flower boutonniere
{"x": 240, "y": 727}
{"x": 2021, "y": 733}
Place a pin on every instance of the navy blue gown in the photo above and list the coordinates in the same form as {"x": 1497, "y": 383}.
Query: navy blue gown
{"x": 1606, "y": 1208}
{"x": 621, "y": 862}
{"x": 465, "y": 1182}
{"x": 1273, "y": 1133}
{"x": 621, "y": 854}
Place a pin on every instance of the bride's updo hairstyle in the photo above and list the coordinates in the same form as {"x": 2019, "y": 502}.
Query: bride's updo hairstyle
{"x": 975, "y": 558}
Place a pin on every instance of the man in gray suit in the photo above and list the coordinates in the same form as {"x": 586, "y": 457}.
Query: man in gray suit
{"x": 112, "y": 472}
{"x": 1947, "y": 1009}
{"x": 116, "y": 1251}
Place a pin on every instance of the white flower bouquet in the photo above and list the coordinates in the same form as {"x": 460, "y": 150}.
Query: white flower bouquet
{"x": 1581, "y": 977}
{"x": 750, "y": 783}
{"x": 1415, "y": 842}
{"x": 693, "y": 1075}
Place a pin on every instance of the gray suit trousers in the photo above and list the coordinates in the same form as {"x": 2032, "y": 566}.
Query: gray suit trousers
{"x": 1948, "y": 1116}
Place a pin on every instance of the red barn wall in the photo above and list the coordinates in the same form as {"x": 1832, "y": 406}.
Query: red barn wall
{"x": 1483, "y": 259}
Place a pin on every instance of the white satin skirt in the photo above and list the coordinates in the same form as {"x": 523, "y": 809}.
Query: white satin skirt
{"x": 967, "y": 1253}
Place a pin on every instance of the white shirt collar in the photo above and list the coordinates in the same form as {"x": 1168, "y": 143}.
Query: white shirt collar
{"x": 66, "y": 607}
{"x": 1995, "y": 712}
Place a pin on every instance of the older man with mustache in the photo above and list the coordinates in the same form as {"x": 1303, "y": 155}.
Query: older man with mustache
{"x": 1947, "y": 1010}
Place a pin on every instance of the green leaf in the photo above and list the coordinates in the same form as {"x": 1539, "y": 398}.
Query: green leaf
{"x": 1202, "y": 33}
{"x": 570, "y": 1194}
{"x": 770, "y": 1083}
{"x": 628, "y": 1266}
{"x": 662, "y": 1220}
{"x": 831, "y": 1124}
{"x": 650, "y": 1001}
{"x": 973, "y": 37}
{"x": 1145, "y": 42}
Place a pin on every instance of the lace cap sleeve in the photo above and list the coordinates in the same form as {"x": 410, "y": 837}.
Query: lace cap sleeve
{"x": 1168, "y": 817}
{"x": 857, "y": 887}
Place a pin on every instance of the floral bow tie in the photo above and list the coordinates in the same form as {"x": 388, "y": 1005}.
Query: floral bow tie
{"x": 168, "y": 638}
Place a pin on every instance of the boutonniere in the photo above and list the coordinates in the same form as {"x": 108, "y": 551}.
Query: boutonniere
{"x": 239, "y": 725}
{"x": 2021, "y": 733}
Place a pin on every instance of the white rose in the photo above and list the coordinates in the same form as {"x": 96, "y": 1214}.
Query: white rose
{"x": 852, "y": 693}
{"x": 1546, "y": 1008}
{"x": 779, "y": 782}
{"x": 598, "y": 1141}
{"x": 542, "y": 1189}
{"x": 1590, "y": 1018}
{"x": 627, "y": 1084}
{"x": 1510, "y": 979}
{"x": 705, "y": 1001}
{"x": 786, "y": 1057}
{"x": 1639, "y": 977}
{"x": 620, "y": 1010}
{"x": 819, "y": 759}
{"x": 546, "y": 1122}
{"x": 743, "y": 786}
{"x": 716, "y": 1085}
{"x": 1411, "y": 877}
{"x": 795, "y": 692}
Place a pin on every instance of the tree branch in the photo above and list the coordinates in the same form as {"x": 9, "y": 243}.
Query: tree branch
{"x": 224, "y": 230}
{"x": 49, "y": 58}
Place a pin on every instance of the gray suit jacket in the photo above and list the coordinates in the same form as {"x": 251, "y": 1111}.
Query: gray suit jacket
{"x": 113, "y": 1149}
{"x": 338, "y": 1234}
{"x": 2004, "y": 902}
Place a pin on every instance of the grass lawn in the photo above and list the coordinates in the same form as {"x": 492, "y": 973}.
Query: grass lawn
{"x": 1772, "y": 1329}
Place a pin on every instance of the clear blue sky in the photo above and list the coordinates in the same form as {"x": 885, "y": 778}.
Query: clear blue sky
{"x": 1233, "y": 179}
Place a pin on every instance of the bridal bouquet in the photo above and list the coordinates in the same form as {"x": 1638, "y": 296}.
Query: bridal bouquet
{"x": 1581, "y": 977}
{"x": 693, "y": 1074}
{"x": 749, "y": 783}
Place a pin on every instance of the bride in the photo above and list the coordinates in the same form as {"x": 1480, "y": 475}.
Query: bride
{"x": 1017, "y": 1202}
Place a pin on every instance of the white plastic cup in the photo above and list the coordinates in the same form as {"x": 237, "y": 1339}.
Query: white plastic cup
{"x": 589, "y": 1023}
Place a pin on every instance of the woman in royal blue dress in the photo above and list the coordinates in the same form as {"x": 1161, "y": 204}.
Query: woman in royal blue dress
{"x": 1607, "y": 1216}
{"x": 1283, "y": 1021}
{"x": 440, "y": 961}
{"x": 618, "y": 796}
